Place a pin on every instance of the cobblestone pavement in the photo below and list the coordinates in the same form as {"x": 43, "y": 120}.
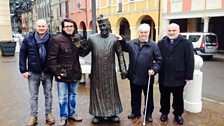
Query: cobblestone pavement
{"x": 14, "y": 107}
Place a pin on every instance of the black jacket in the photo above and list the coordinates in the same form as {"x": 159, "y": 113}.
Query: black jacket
{"x": 63, "y": 59}
{"x": 141, "y": 59}
{"x": 29, "y": 51}
{"x": 178, "y": 62}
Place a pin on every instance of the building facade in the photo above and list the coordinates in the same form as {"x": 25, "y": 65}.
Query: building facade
{"x": 29, "y": 19}
{"x": 195, "y": 16}
{"x": 59, "y": 11}
{"x": 80, "y": 11}
{"x": 53, "y": 11}
{"x": 126, "y": 15}
{"x": 5, "y": 21}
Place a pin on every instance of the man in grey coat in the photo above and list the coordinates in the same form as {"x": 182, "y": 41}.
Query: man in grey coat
{"x": 176, "y": 70}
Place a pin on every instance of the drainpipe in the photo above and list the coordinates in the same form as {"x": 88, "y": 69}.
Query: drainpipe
{"x": 93, "y": 16}
{"x": 159, "y": 16}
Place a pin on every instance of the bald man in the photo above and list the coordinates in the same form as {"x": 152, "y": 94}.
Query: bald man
{"x": 176, "y": 70}
{"x": 33, "y": 67}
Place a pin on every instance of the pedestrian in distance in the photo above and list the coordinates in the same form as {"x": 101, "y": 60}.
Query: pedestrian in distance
{"x": 176, "y": 70}
{"x": 63, "y": 60}
{"x": 33, "y": 66}
{"x": 105, "y": 101}
{"x": 144, "y": 62}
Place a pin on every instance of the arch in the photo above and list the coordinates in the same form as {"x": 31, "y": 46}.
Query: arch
{"x": 76, "y": 28}
{"x": 148, "y": 20}
{"x": 82, "y": 29}
{"x": 124, "y": 27}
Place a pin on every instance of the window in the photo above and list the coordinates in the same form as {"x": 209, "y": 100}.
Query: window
{"x": 72, "y": 6}
{"x": 79, "y": 4}
{"x": 210, "y": 38}
{"x": 194, "y": 38}
{"x": 60, "y": 11}
{"x": 66, "y": 8}
{"x": 119, "y": 9}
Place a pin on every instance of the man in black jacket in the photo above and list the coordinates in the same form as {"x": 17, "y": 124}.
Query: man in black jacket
{"x": 63, "y": 60}
{"x": 34, "y": 49}
{"x": 176, "y": 70}
{"x": 144, "y": 62}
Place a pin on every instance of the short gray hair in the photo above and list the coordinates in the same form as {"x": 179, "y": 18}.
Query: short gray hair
{"x": 41, "y": 20}
{"x": 144, "y": 27}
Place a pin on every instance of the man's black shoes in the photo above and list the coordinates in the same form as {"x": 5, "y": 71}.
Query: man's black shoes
{"x": 114, "y": 119}
{"x": 96, "y": 119}
{"x": 133, "y": 116}
{"x": 179, "y": 119}
{"x": 163, "y": 118}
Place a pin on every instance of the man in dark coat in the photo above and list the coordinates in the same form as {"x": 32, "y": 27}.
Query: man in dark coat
{"x": 176, "y": 70}
{"x": 104, "y": 95}
{"x": 144, "y": 62}
{"x": 63, "y": 60}
{"x": 33, "y": 66}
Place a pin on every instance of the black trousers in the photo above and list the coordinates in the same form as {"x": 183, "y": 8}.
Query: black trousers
{"x": 136, "y": 93}
{"x": 178, "y": 102}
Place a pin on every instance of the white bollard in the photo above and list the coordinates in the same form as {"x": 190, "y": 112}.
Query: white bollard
{"x": 193, "y": 89}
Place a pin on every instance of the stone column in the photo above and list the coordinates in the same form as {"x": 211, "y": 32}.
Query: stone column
{"x": 134, "y": 33}
{"x": 193, "y": 89}
{"x": 5, "y": 21}
{"x": 206, "y": 24}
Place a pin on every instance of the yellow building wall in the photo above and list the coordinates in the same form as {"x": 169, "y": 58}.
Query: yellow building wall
{"x": 133, "y": 12}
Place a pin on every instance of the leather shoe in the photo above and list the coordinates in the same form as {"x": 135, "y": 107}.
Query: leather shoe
{"x": 179, "y": 119}
{"x": 133, "y": 116}
{"x": 114, "y": 119}
{"x": 96, "y": 119}
{"x": 163, "y": 117}
{"x": 149, "y": 119}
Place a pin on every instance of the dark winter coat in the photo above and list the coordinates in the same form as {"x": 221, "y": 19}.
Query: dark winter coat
{"x": 63, "y": 59}
{"x": 178, "y": 62}
{"x": 141, "y": 59}
{"x": 29, "y": 51}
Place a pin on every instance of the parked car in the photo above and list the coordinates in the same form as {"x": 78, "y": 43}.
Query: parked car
{"x": 205, "y": 44}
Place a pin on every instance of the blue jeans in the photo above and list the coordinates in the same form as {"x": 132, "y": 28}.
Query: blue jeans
{"x": 67, "y": 98}
{"x": 34, "y": 81}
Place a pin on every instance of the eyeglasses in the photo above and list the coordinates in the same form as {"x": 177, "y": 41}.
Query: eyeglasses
{"x": 69, "y": 26}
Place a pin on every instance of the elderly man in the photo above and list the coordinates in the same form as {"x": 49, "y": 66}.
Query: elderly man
{"x": 144, "y": 61}
{"x": 177, "y": 69}
{"x": 104, "y": 95}
{"x": 34, "y": 49}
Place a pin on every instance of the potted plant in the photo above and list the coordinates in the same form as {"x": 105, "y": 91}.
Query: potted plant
{"x": 7, "y": 47}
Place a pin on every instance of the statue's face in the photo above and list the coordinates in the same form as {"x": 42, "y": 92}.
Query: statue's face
{"x": 104, "y": 29}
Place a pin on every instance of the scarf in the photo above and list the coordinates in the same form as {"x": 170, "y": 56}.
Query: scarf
{"x": 40, "y": 43}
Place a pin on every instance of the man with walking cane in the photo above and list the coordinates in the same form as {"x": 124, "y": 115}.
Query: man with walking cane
{"x": 144, "y": 62}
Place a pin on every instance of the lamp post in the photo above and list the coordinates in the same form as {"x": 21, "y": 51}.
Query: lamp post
{"x": 93, "y": 16}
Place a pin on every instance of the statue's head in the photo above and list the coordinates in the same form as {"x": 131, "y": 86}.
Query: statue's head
{"x": 104, "y": 26}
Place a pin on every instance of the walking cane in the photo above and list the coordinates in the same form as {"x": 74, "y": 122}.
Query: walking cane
{"x": 146, "y": 102}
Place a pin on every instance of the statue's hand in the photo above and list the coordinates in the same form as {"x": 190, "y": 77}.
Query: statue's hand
{"x": 79, "y": 42}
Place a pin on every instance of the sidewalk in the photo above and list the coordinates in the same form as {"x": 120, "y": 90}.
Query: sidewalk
{"x": 14, "y": 107}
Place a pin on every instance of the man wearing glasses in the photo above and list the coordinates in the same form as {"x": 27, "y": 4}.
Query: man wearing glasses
{"x": 63, "y": 60}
